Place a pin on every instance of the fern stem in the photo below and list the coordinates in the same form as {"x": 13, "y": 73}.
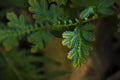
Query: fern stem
{"x": 49, "y": 27}
{"x": 61, "y": 26}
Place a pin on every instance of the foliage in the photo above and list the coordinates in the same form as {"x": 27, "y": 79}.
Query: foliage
{"x": 77, "y": 40}
{"x": 18, "y": 68}
{"x": 16, "y": 65}
{"x": 42, "y": 13}
{"x": 73, "y": 18}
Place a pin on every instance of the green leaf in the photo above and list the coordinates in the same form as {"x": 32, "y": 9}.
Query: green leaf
{"x": 42, "y": 13}
{"x": 55, "y": 13}
{"x": 68, "y": 35}
{"x": 17, "y": 22}
{"x": 18, "y": 25}
{"x": 40, "y": 10}
{"x": 77, "y": 41}
{"x": 17, "y": 28}
{"x": 87, "y": 12}
{"x": 87, "y": 33}
{"x": 38, "y": 39}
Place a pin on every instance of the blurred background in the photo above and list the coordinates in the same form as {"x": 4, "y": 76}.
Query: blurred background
{"x": 103, "y": 63}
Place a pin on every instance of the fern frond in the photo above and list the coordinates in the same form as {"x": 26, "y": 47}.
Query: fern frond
{"x": 38, "y": 39}
{"x": 37, "y": 35}
{"x": 19, "y": 23}
{"x": 40, "y": 10}
{"x": 48, "y": 18}
{"x": 87, "y": 12}
{"x": 18, "y": 27}
{"x": 42, "y": 13}
{"x": 78, "y": 40}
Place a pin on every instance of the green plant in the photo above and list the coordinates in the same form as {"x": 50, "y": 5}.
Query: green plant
{"x": 73, "y": 19}
{"x": 51, "y": 17}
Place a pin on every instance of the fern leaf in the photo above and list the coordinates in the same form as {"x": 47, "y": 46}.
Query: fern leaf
{"x": 78, "y": 42}
{"x": 42, "y": 13}
{"x": 86, "y": 13}
{"x": 38, "y": 39}
{"x": 17, "y": 26}
{"x": 40, "y": 10}
{"x": 17, "y": 22}
{"x": 87, "y": 32}
{"x": 55, "y": 13}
